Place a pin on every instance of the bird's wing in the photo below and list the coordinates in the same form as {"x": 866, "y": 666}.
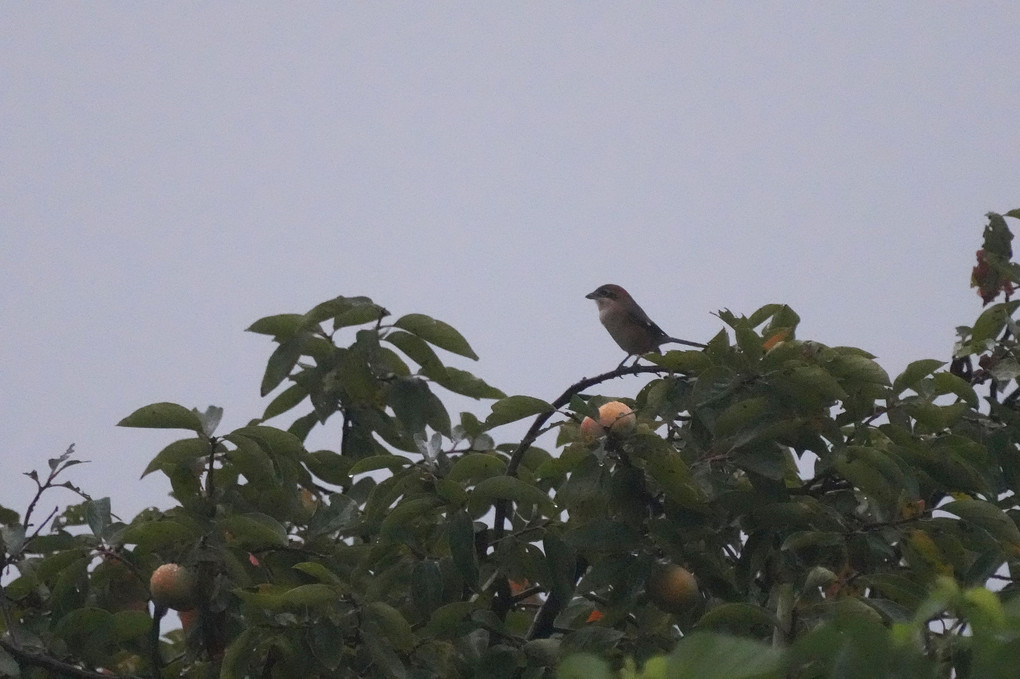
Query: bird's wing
{"x": 639, "y": 316}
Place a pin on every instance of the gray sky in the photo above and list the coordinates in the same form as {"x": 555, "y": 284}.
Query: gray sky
{"x": 171, "y": 172}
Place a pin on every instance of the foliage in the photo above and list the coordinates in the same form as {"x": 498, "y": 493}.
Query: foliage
{"x": 838, "y": 522}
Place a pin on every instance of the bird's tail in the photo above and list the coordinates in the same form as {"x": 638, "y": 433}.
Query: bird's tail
{"x": 674, "y": 340}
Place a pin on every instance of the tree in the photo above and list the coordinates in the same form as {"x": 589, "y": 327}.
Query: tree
{"x": 782, "y": 509}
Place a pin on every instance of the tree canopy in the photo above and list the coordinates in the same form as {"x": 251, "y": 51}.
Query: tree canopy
{"x": 766, "y": 507}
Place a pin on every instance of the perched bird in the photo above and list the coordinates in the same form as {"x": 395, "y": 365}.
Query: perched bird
{"x": 628, "y": 323}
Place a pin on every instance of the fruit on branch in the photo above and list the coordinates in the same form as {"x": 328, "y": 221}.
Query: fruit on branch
{"x": 188, "y": 617}
{"x": 617, "y": 417}
{"x": 672, "y": 588}
{"x": 307, "y": 504}
{"x": 591, "y": 431}
{"x": 173, "y": 586}
{"x": 614, "y": 417}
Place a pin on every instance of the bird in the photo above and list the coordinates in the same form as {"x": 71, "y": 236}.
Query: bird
{"x": 628, "y": 324}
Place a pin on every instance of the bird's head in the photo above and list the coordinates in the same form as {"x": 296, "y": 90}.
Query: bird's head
{"x": 607, "y": 294}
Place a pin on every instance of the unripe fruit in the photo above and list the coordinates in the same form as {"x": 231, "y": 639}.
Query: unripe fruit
{"x": 617, "y": 417}
{"x": 172, "y": 586}
{"x": 672, "y": 588}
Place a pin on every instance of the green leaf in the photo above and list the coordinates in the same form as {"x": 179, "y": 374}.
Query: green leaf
{"x": 740, "y": 415}
{"x": 326, "y": 645}
{"x": 375, "y": 462}
{"x": 163, "y": 416}
{"x": 251, "y": 460}
{"x": 562, "y": 562}
{"x": 857, "y": 368}
{"x": 688, "y": 362}
{"x": 345, "y": 311}
{"x": 9, "y": 667}
{"x": 303, "y": 425}
{"x": 705, "y": 655}
{"x": 405, "y": 514}
{"x": 416, "y": 406}
{"x": 426, "y": 587}
{"x": 509, "y": 488}
{"x": 8, "y": 517}
{"x": 451, "y": 492}
{"x": 544, "y": 652}
{"x": 584, "y": 666}
{"x": 806, "y": 515}
{"x": 386, "y": 662}
{"x": 583, "y": 408}
{"x": 238, "y": 655}
{"x": 268, "y": 597}
{"x": 450, "y": 620}
{"x": 952, "y": 461}
{"x": 991, "y": 322}
{"x": 436, "y": 332}
{"x": 129, "y": 625}
{"x": 874, "y": 472}
{"x": 591, "y": 639}
{"x": 461, "y": 536}
{"x": 318, "y": 571}
{"x": 287, "y": 399}
{"x": 280, "y": 326}
{"x": 84, "y": 627}
{"x": 359, "y": 315}
{"x": 276, "y": 442}
{"x": 997, "y": 237}
{"x": 749, "y": 342}
{"x": 988, "y": 517}
{"x": 392, "y": 624}
{"x": 782, "y": 318}
{"x": 470, "y": 425}
{"x": 464, "y": 383}
{"x": 474, "y": 467}
{"x": 255, "y": 530}
{"x": 513, "y": 408}
{"x": 340, "y": 514}
{"x": 329, "y": 466}
{"x": 178, "y": 452}
{"x": 669, "y": 470}
{"x": 603, "y": 536}
{"x": 738, "y": 618}
{"x": 316, "y": 595}
{"x": 914, "y": 373}
{"x": 97, "y": 513}
{"x": 948, "y": 383}
{"x": 712, "y": 384}
{"x": 809, "y": 385}
{"x": 282, "y": 361}
{"x": 799, "y": 540}
{"x": 155, "y": 536}
{"x": 418, "y": 350}
{"x": 355, "y": 376}
{"x": 985, "y": 612}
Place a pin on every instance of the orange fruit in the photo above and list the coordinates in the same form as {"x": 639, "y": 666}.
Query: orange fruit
{"x": 172, "y": 586}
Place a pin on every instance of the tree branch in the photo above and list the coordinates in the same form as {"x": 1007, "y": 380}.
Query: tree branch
{"x": 57, "y": 667}
{"x": 564, "y": 399}
{"x": 502, "y": 604}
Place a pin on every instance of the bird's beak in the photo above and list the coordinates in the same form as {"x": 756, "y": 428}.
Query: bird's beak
{"x": 591, "y": 295}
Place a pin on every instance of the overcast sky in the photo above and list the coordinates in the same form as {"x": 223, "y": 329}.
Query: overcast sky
{"x": 171, "y": 172}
